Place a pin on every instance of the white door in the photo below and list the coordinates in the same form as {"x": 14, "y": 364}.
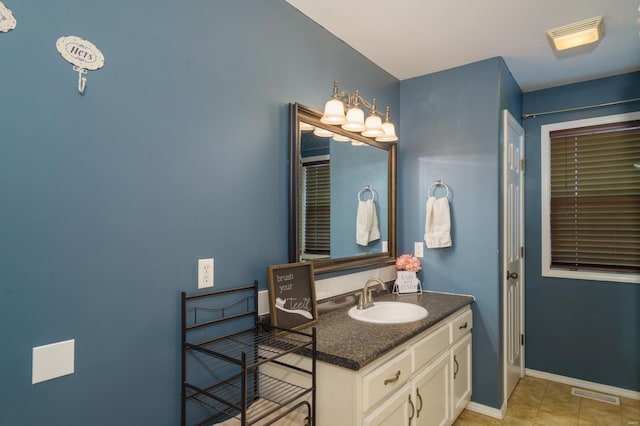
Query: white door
{"x": 513, "y": 249}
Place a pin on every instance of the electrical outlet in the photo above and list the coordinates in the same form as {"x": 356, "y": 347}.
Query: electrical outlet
{"x": 418, "y": 249}
{"x": 205, "y": 273}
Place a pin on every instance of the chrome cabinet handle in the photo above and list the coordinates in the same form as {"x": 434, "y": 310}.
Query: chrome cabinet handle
{"x": 419, "y": 398}
{"x": 393, "y": 379}
{"x": 512, "y": 275}
{"x": 455, "y": 370}
{"x": 413, "y": 410}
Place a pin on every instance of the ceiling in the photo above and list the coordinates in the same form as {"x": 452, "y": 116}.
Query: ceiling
{"x": 410, "y": 38}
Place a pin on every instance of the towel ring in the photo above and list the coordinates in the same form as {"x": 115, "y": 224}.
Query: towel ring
{"x": 436, "y": 184}
{"x": 365, "y": 189}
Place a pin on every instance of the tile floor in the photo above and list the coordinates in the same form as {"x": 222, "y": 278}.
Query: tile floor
{"x": 540, "y": 402}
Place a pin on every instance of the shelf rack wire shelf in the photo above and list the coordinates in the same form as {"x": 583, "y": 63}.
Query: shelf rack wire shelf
{"x": 223, "y": 346}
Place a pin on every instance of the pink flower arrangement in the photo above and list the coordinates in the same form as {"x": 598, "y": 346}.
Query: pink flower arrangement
{"x": 406, "y": 262}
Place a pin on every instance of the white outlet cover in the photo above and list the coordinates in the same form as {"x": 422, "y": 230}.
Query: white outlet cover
{"x": 205, "y": 273}
{"x": 418, "y": 249}
{"x": 52, "y": 361}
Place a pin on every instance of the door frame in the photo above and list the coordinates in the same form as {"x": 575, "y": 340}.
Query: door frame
{"x": 510, "y": 121}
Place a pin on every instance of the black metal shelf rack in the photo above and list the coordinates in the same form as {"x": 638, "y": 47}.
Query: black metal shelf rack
{"x": 223, "y": 347}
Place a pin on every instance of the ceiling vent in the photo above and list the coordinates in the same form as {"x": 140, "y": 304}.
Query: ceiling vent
{"x": 576, "y": 34}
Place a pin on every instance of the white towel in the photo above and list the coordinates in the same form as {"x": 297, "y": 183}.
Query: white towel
{"x": 437, "y": 228}
{"x": 374, "y": 232}
{"x": 366, "y": 223}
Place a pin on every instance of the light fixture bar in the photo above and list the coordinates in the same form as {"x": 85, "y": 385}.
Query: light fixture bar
{"x": 343, "y": 109}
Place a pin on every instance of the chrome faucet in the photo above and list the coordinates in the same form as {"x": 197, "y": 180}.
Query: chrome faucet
{"x": 366, "y": 300}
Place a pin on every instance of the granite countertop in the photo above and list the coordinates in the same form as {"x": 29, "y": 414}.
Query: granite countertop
{"x": 353, "y": 344}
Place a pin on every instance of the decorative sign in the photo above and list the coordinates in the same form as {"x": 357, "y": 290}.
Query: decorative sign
{"x": 80, "y": 52}
{"x": 407, "y": 282}
{"x": 7, "y": 21}
{"x": 83, "y": 54}
{"x": 292, "y": 295}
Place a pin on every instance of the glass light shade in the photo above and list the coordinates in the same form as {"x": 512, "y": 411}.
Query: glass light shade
{"x": 574, "y": 40}
{"x": 389, "y": 133}
{"x": 357, "y": 143}
{"x": 340, "y": 138}
{"x": 373, "y": 126}
{"x": 333, "y": 112}
{"x": 322, "y": 133}
{"x": 355, "y": 120}
{"x": 305, "y": 127}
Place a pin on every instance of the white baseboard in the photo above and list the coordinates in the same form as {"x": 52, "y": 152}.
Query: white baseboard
{"x": 583, "y": 384}
{"x": 488, "y": 411}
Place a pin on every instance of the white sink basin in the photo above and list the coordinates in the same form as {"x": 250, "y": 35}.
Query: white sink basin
{"x": 389, "y": 313}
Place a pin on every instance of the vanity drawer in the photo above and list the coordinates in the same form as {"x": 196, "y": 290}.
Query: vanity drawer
{"x": 427, "y": 349}
{"x": 385, "y": 379}
{"x": 461, "y": 325}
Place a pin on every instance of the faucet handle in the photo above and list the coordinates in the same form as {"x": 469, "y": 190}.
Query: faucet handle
{"x": 360, "y": 300}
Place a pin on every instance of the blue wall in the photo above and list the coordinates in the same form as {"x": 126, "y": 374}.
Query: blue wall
{"x": 178, "y": 151}
{"x": 582, "y": 329}
{"x": 451, "y": 131}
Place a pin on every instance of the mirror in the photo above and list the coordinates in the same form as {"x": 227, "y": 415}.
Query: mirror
{"x": 342, "y": 195}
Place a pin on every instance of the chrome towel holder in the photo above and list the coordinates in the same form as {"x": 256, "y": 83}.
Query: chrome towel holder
{"x": 436, "y": 184}
{"x": 365, "y": 189}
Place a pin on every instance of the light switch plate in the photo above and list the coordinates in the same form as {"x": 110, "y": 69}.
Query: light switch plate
{"x": 418, "y": 249}
{"x": 263, "y": 302}
{"x": 52, "y": 361}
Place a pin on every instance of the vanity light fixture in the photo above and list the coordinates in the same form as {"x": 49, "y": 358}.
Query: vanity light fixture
{"x": 576, "y": 34}
{"x": 389, "y": 130}
{"x": 323, "y": 133}
{"x": 353, "y": 120}
{"x": 305, "y": 127}
{"x": 340, "y": 138}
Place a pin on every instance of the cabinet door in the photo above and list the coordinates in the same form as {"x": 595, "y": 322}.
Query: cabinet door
{"x": 461, "y": 365}
{"x": 397, "y": 410}
{"x": 433, "y": 394}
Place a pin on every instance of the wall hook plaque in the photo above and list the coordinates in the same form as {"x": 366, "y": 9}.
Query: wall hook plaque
{"x": 83, "y": 55}
{"x": 7, "y": 20}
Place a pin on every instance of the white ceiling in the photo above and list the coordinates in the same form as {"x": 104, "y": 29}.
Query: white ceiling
{"x": 410, "y": 38}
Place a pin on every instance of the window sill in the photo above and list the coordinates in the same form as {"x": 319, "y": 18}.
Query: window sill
{"x": 591, "y": 276}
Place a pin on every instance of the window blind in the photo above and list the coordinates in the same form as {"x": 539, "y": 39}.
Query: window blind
{"x": 595, "y": 198}
{"x": 317, "y": 205}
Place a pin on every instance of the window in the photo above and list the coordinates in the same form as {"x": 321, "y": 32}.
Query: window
{"x": 591, "y": 199}
{"x": 317, "y": 208}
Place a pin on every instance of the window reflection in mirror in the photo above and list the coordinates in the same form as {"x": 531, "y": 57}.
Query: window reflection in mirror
{"x": 343, "y": 210}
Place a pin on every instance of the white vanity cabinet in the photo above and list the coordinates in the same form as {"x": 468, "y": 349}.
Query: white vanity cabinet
{"x": 433, "y": 393}
{"x": 425, "y": 400}
{"x": 461, "y": 362}
{"x": 427, "y": 381}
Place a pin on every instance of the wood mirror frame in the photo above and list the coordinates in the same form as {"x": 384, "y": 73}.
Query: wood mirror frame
{"x": 298, "y": 113}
